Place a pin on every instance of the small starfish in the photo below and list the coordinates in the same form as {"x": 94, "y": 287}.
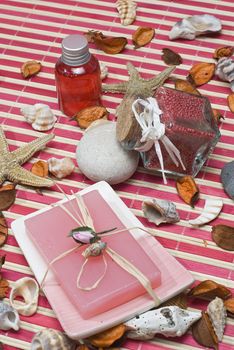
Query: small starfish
{"x": 136, "y": 87}
{"x": 10, "y": 162}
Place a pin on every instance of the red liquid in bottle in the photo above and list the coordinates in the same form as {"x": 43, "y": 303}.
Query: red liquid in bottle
{"x": 78, "y": 85}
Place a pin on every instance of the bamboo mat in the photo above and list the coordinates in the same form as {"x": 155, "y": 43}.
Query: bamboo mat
{"x": 34, "y": 29}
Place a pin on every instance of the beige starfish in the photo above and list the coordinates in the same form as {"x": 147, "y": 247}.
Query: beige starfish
{"x": 10, "y": 162}
{"x": 136, "y": 87}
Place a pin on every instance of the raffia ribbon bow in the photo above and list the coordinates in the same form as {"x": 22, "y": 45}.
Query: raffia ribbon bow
{"x": 153, "y": 131}
{"x": 99, "y": 248}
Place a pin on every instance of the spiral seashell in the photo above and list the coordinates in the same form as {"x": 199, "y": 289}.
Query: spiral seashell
{"x": 28, "y": 289}
{"x": 218, "y": 315}
{"x": 50, "y": 339}
{"x": 170, "y": 321}
{"x": 159, "y": 211}
{"x": 225, "y": 70}
{"x": 127, "y": 11}
{"x": 40, "y": 116}
{"x": 9, "y": 317}
{"x": 211, "y": 210}
{"x": 94, "y": 249}
{"x": 61, "y": 168}
{"x": 104, "y": 70}
{"x": 190, "y": 27}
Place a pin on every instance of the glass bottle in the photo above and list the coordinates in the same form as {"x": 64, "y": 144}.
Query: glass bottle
{"x": 77, "y": 76}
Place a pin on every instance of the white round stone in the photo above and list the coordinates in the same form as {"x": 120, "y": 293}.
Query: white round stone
{"x": 101, "y": 157}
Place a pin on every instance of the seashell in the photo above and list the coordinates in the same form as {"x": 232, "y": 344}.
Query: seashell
{"x": 159, "y": 211}
{"x": 40, "y": 116}
{"x": 210, "y": 211}
{"x": 218, "y": 315}
{"x": 28, "y": 289}
{"x": 228, "y": 179}
{"x": 61, "y": 168}
{"x": 94, "y": 249}
{"x": 169, "y": 321}
{"x": 50, "y": 339}
{"x": 190, "y": 27}
{"x": 127, "y": 11}
{"x": 9, "y": 317}
{"x": 225, "y": 70}
{"x": 104, "y": 70}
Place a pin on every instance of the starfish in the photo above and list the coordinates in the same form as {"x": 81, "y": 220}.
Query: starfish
{"x": 136, "y": 87}
{"x": 10, "y": 162}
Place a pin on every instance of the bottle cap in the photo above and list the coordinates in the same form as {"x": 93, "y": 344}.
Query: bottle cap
{"x": 75, "y": 50}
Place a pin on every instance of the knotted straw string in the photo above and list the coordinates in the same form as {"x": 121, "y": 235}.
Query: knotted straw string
{"x": 120, "y": 260}
{"x": 153, "y": 131}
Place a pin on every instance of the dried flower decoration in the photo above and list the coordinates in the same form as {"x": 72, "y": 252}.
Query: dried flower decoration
{"x": 7, "y": 196}
{"x": 3, "y": 234}
{"x": 230, "y": 100}
{"x": 229, "y": 305}
{"x": 187, "y": 190}
{"x": 217, "y": 115}
{"x": 86, "y": 235}
{"x": 107, "y": 338}
{"x": 186, "y": 86}
{"x": 30, "y": 68}
{"x": 108, "y": 44}
{"x": 203, "y": 332}
{"x": 201, "y": 73}
{"x": 209, "y": 290}
{"x": 40, "y": 168}
{"x": 223, "y": 236}
{"x": 142, "y": 36}
{"x": 88, "y": 115}
{"x": 224, "y": 51}
{"x": 4, "y": 284}
{"x": 170, "y": 57}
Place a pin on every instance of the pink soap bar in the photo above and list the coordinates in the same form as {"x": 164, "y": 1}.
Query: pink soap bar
{"x": 49, "y": 232}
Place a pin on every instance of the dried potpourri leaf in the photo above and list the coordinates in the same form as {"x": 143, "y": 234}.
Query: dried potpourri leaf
{"x": 224, "y": 51}
{"x": 108, "y": 337}
{"x": 171, "y": 58}
{"x": 229, "y": 305}
{"x": 180, "y": 300}
{"x": 30, "y": 68}
{"x": 201, "y": 73}
{"x": 203, "y": 332}
{"x": 2, "y": 260}
{"x": 217, "y": 115}
{"x": 108, "y": 44}
{"x": 187, "y": 189}
{"x": 186, "y": 86}
{"x": 3, "y": 234}
{"x": 4, "y": 287}
{"x": 142, "y": 36}
{"x": 89, "y": 114}
{"x": 40, "y": 168}
{"x": 7, "y": 196}
{"x": 209, "y": 290}
{"x": 230, "y": 100}
{"x": 223, "y": 236}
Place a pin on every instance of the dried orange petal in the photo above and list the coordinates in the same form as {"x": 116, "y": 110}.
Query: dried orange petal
{"x": 223, "y": 236}
{"x": 30, "y": 68}
{"x": 3, "y": 230}
{"x": 108, "y": 337}
{"x": 209, "y": 290}
{"x": 7, "y": 196}
{"x": 170, "y": 57}
{"x": 142, "y": 36}
{"x": 230, "y": 99}
{"x": 229, "y": 305}
{"x": 187, "y": 189}
{"x": 203, "y": 332}
{"x": 217, "y": 115}
{"x": 108, "y": 44}
{"x": 89, "y": 114}
{"x": 201, "y": 73}
{"x": 4, "y": 287}
{"x": 186, "y": 86}
{"x": 40, "y": 168}
{"x": 224, "y": 51}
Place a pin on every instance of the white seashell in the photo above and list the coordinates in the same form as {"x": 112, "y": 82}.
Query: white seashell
{"x": 159, "y": 211}
{"x": 28, "y": 289}
{"x": 169, "y": 321}
{"x": 104, "y": 70}
{"x": 225, "y": 70}
{"x": 94, "y": 249}
{"x": 190, "y": 27}
{"x": 210, "y": 211}
{"x": 218, "y": 315}
{"x": 50, "y": 339}
{"x": 9, "y": 317}
{"x": 40, "y": 116}
{"x": 127, "y": 11}
{"x": 60, "y": 168}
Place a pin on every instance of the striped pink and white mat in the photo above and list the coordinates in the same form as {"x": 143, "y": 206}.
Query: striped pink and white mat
{"x": 33, "y": 29}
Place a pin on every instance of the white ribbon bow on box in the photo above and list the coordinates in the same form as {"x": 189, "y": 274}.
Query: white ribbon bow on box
{"x": 153, "y": 131}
